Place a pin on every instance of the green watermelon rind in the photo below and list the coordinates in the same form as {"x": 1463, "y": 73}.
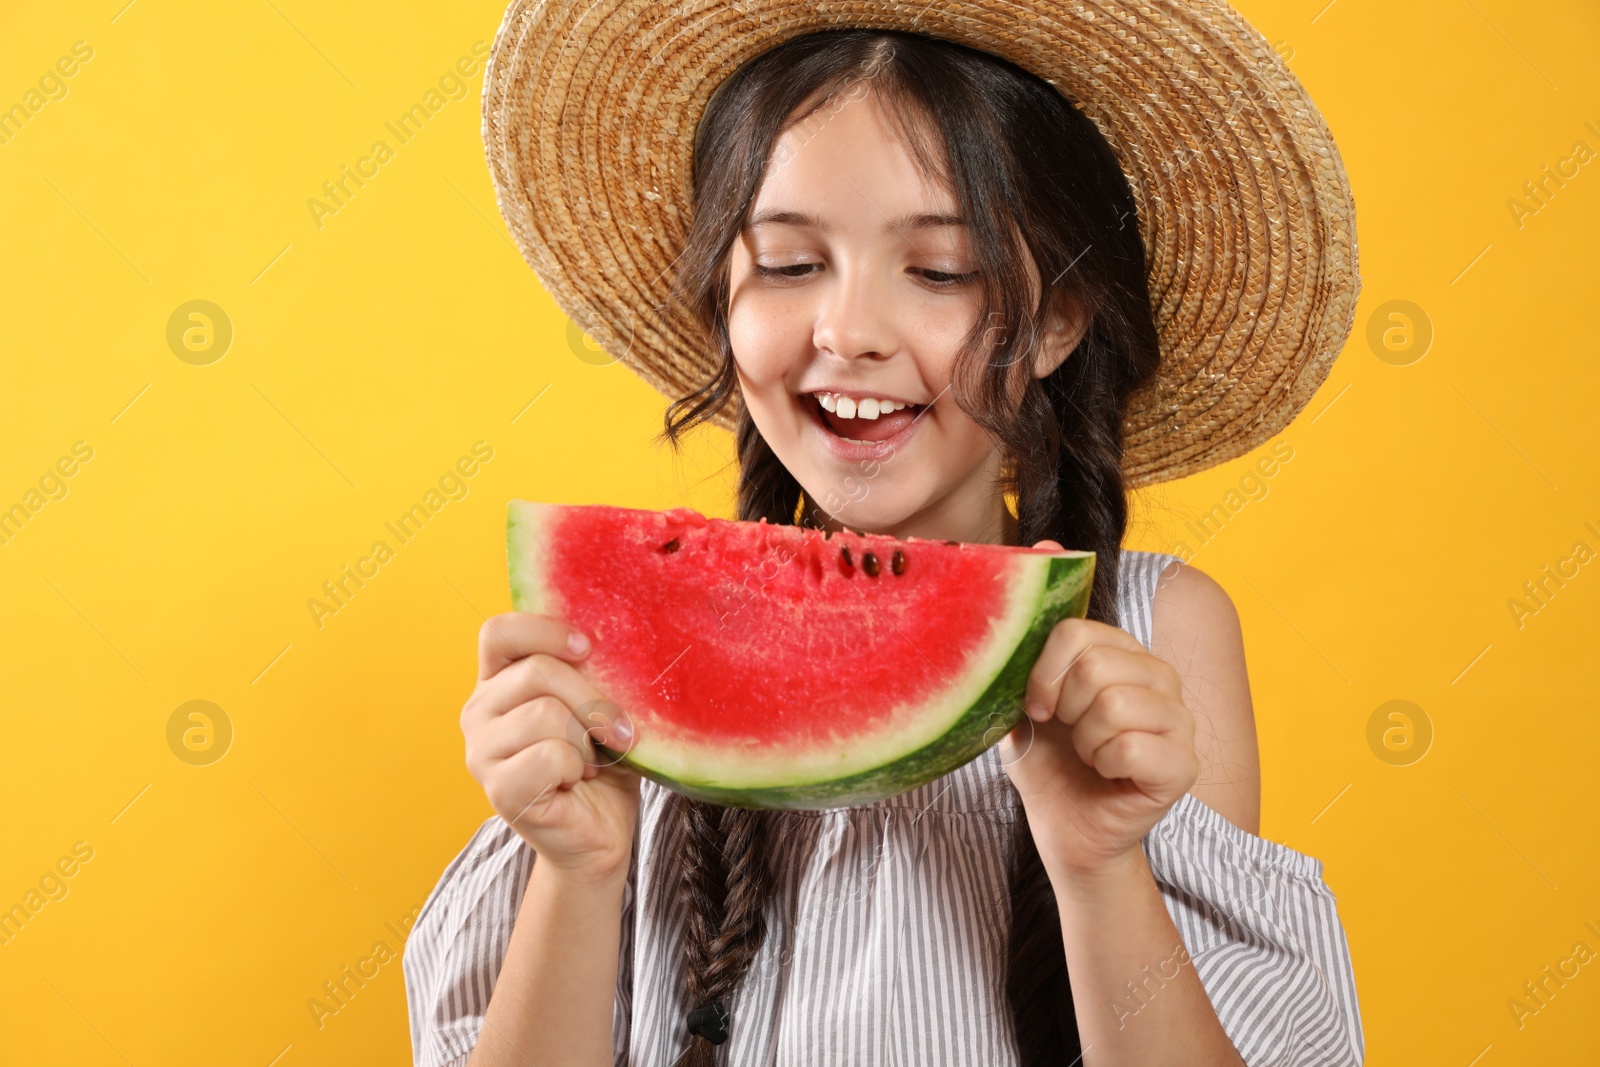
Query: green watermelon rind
{"x": 1063, "y": 593}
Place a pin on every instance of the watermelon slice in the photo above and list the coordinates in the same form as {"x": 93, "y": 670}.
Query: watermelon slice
{"x": 769, "y": 666}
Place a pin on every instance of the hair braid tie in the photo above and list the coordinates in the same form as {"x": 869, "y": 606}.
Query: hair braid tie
{"x": 710, "y": 1021}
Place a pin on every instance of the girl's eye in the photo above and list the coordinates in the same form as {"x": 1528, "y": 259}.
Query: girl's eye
{"x": 937, "y": 278}
{"x": 783, "y": 272}
{"x": 945, "y": 280}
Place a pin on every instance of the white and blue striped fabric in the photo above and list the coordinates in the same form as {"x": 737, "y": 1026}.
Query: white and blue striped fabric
{"x": 887, "y": 931}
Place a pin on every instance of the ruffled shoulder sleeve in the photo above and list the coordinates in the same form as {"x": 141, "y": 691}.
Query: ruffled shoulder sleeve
{"x": 1263, "y": 932}
{"x": 459, "y": 941}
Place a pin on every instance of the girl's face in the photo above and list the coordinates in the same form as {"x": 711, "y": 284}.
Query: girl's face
{"x": 851, "y": 288}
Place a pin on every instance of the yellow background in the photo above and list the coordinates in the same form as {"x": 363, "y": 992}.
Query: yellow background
{"x": 371, "y": 352}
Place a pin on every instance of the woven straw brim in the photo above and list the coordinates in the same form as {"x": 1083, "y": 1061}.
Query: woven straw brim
{"x": 590, "y": 109}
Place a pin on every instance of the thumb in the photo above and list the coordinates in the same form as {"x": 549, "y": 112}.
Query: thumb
{"x": 1053, "y": 545}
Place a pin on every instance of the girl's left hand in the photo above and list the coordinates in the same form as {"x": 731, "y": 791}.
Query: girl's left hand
{"x": 1107, "y": 747}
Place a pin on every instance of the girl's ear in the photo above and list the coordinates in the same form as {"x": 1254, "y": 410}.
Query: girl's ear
{"x": 1063, "y": 331}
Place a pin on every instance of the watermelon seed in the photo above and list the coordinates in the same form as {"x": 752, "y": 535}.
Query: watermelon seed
{"x": 952, "y": 542}
{"x": 844, "y": 553}
{"x": 869, "y": 563}
{"x": 670, "y": 546}
{"x": 898, "y": 563}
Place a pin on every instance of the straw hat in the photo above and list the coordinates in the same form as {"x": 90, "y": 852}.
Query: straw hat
{"x": 589, "y": 112}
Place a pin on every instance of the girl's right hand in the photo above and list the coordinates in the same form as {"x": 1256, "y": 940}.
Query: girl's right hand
{"x": 530, "y": 727}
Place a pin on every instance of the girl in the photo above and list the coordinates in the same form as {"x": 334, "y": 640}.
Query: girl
{"x": 921, "y": 275}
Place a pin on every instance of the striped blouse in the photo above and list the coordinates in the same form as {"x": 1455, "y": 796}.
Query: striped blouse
{"x": 887, "y": 931}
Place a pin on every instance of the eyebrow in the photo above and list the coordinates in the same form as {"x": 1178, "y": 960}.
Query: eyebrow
{"x": 917, "y": 220}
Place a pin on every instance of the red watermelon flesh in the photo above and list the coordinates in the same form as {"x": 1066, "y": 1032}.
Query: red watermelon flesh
{"x": 774, "y": 666}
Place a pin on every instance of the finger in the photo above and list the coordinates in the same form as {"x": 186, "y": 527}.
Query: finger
{"x": 523, "y": 726}
{"x": 503, "y": 639}
{"x": 540, "y": 675}
{"x": 1054, "y": 546}
{"x": 1120, "y": 708}
{"x": 1068, "y": 640}
{"x": 525, "y": 781}
{"x": 1100, "y": 667}
{"x": 517, "y": 683}
{"x": 1161, "y": 767}
{"x": 532, "y": 676}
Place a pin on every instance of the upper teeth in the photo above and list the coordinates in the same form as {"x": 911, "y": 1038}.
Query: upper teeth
{"x": 845, "y": 407}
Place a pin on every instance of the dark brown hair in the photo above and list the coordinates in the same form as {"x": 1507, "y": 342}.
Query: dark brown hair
{"x": 1034, "y": 176}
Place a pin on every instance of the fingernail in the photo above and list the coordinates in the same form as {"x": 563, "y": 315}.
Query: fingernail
{"x": 577, "y": 643}
{"x": 1037, "y": 711}
{"x": 621, "y": 730}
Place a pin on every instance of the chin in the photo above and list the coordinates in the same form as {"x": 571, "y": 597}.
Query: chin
{"x": 869, "y": 516}
{"x": 865, "y": 504}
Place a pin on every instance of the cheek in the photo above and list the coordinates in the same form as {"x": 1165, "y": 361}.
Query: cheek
{"x": 964, "y": 445}
{"x": 757, "y": 346}
{"x": 942, "y": 331}
{"x": 768, "y": 335}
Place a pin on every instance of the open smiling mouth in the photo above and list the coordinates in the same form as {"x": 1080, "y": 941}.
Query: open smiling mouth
{"x": 862, "y": 420}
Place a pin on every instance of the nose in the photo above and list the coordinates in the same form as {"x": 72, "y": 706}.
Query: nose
{"x": 855, "y": 318}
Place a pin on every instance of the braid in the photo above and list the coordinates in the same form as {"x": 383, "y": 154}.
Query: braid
{"x": 1036, "y": 975}
{"x": 1080, "y": 499}
{"x": 723, "y": 886}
